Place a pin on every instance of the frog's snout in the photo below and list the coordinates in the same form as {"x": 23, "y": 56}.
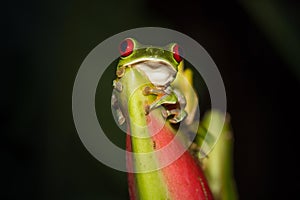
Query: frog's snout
{"x": 154, "y": 51}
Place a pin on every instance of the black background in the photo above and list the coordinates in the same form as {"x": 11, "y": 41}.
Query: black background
{"x": 44, "y": 43}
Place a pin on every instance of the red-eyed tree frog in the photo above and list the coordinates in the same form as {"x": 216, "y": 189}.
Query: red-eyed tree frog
{"x": 161, "y": 66}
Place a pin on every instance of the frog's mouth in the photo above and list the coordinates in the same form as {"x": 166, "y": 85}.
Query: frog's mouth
{"x": 159, "y": 72}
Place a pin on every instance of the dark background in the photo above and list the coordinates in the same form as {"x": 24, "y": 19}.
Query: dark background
{"x": 255, "y": 45}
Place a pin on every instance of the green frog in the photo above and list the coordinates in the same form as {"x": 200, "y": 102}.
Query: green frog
{"x": 160, "y": 66}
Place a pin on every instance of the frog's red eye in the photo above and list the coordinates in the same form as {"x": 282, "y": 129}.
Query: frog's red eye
{"x": 177, "y": 52}
{"x": 126, "y": 47}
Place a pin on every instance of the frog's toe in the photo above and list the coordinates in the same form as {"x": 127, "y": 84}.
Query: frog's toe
{"x": 165, "y": 113}
{"x": 147, "y": 90}
{"x": 120, "y": 72}
{"x": 121, "y": 120}
{"x": 120, "y": 116}
{"x": 179, "y": 115}
{"x": 147, "y": 109}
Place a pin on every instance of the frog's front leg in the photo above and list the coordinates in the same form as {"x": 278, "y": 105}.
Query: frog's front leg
{"x": 167, "y": 96}
{"x": 164, "y": 96}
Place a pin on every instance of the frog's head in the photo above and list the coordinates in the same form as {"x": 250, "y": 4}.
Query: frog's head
{"x": 159, "y": 64}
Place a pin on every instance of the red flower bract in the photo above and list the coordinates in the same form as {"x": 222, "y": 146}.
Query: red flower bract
{"x": 183, "y": 178}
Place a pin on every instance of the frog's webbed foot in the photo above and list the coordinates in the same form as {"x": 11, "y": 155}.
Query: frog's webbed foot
{"x": 167, "y": 96}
